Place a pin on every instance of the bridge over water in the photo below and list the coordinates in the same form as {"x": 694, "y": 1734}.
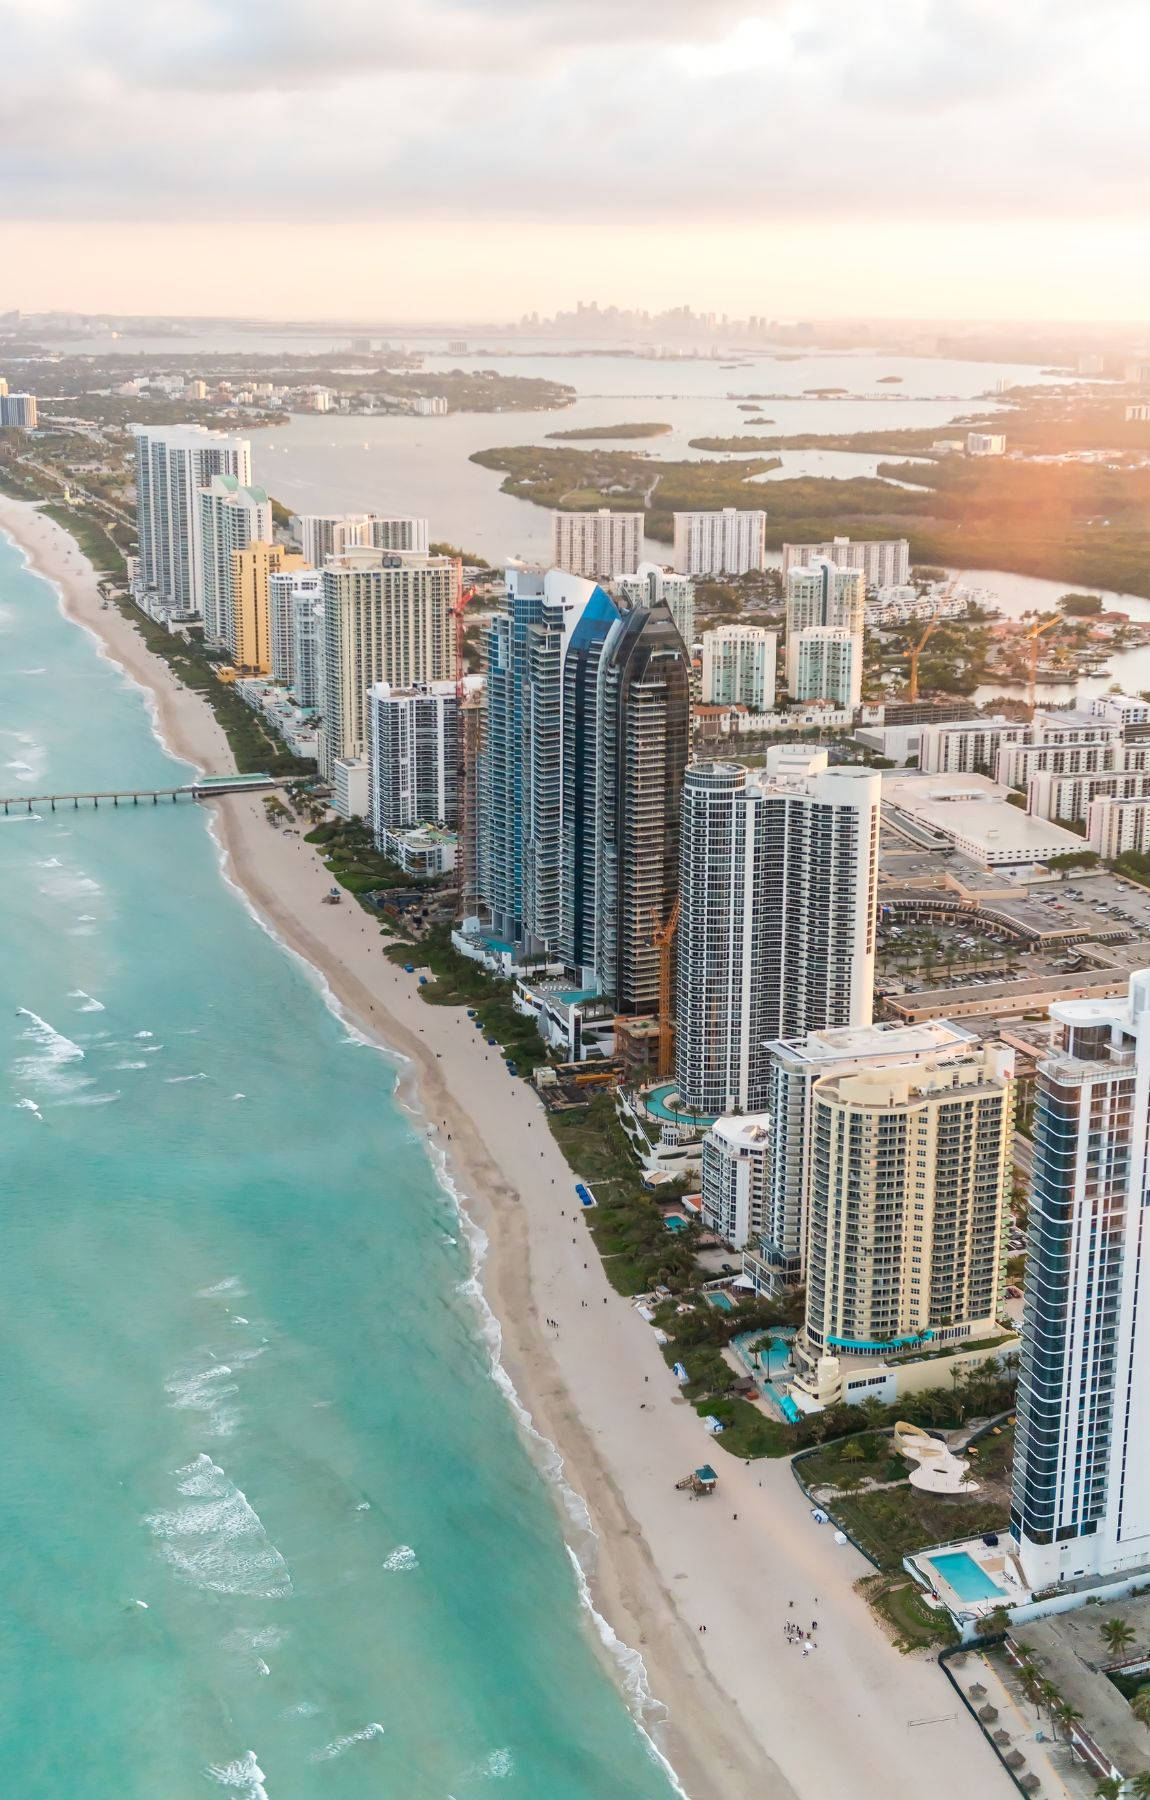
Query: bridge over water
{"x": 208, "y": 787}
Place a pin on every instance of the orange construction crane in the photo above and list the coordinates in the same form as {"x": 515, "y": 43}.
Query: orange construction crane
{"x": 663, "y": 937}
{"x": 1031, "y": 637}
{"x": 916, "y": 652}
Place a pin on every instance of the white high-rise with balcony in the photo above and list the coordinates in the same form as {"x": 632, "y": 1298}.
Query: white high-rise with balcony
{"x": 173, "y": 462}
{"x": 386, "y": 617}
{"x": 883, "y": 562}
{"x": 739, "y": 667}
{"x": 229, "y": 517}
{"x": 909, "y": 1176}
{"x": 649, "y": 584}
{"x": 777, "y": 920}
{"x": 598, "y": 544}
{"x": 289, "y": 592}
{"x": 729, "y": 542}
{"x": 794, "y": 1065}
{"x": 1081, "y": 1496}
{"x": 331, "y": 534}
{"x": 824, "y": 662}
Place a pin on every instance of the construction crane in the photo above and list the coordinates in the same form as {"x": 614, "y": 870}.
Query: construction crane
{"x": 663, "y": 937}
{"x": 1031, "y": 637}
{"x": 915, "y": 653}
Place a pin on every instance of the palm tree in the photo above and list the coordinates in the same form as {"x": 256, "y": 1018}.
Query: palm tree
{"x": 1064, "y": 1715}
{"x": 1118, "y": 1635}
{"x": 1109, "y": 1788}
{"x": 1140, "y": 1705}
{"x": 1141, "y": 1785}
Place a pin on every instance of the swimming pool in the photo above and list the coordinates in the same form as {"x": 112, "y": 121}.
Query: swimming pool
{"x": 655, "y": 1100}
{"x": 722, "y": 1301}
{"x": 960, "y": 1571}
{"x": 674, "y": 1222}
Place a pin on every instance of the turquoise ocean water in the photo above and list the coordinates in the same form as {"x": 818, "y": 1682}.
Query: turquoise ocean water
{"x": 267, "y": 1525}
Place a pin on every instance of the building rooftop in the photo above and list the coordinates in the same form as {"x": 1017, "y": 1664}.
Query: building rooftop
{"x": 975, "y": 810}
{"x": 879, "y": 1039}
{"x": 1070, "y": 1651}
{"x": 749, "y": 1131}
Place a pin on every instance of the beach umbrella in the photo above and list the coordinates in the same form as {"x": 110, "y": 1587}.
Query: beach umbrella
{"x": 977, "y": 1691}
{"x": 1015, "y": 1761}
{"x": 988, "y": 1714}
{"x": 1002, "y": 1737}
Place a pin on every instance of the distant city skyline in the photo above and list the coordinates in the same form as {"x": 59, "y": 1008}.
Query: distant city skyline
{"x": 942, "y": 178}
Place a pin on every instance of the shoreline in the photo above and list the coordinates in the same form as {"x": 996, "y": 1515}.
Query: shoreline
{"x": 741, "y": 1717}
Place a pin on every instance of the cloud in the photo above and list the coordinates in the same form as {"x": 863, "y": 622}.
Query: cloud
{"x": 656, "y": 110}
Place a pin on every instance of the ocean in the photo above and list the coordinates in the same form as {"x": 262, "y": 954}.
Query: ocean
{"x": 268, "y": 1525}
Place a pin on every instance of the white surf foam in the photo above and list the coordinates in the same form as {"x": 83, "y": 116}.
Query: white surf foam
{"x": 216, "y": 1541}
{"x": 210, "y": 1389}
{"x": 244, "y": 1776}
{"x": 174, "y": 1080}
{"x": 51, "y": 1064}
{"x": 340, "y": 1745}
{"x": 230, "y": 1288}
{"x": 29, "y": 1106}
{"x": 130, "y": 1065}
{"x": 630, "y": 1668}
{"x": 401, "y": 1559}
{"x": 89, "y": 1005}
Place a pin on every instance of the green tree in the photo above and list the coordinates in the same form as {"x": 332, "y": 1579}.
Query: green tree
{"x": 1109, "y": 1788}
{"x": 1064, "y": 1715}
{"x": 1118, "y": 1635}
{"x": 1141, "y": 1784}
{"x": 1140, "y": 1705}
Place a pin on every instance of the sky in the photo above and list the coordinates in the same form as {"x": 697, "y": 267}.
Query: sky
{"x": 479, "y": 159}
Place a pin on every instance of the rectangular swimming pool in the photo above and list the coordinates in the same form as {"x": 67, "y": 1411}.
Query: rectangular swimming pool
{"x": 959, "y": 1569}
{"x": 722, "y": 1301}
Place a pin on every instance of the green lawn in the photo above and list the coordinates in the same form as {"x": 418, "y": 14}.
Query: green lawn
{"x": 916, "y": 1626}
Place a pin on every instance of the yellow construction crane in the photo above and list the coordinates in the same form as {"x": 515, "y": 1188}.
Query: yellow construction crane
{"x": 916, "y": 652}
{"x": 1031, "y": 637}
{"x": 663, "y": 938}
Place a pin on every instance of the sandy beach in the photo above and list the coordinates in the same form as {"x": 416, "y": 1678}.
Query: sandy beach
{"x": 742, "y": 1712}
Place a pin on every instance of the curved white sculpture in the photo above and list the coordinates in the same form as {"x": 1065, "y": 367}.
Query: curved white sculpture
{"x": 937, "y": 1470}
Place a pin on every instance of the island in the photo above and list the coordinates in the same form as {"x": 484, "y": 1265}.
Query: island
{"x": 1070, "y": 501}
{"x": 592, "y": 433}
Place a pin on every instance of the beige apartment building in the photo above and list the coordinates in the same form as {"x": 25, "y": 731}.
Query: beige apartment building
{"x": 907, "y": 1210}
{"x": 248, "y": 624}
{"x": 387, "y": 616}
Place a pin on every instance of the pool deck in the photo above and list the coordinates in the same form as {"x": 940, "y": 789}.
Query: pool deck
{"x": 997, "y": 1564}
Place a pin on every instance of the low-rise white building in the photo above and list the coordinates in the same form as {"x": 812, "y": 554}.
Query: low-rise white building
{"x": 350, "y": 787}
{"x": 985, "y": 443}
{"x": 973, "y": 815}
{"x": 423, "y": 850}
{"x": 736, "y": 1153}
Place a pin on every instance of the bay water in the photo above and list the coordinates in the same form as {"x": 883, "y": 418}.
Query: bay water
{"x": 268, "y": 1526}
